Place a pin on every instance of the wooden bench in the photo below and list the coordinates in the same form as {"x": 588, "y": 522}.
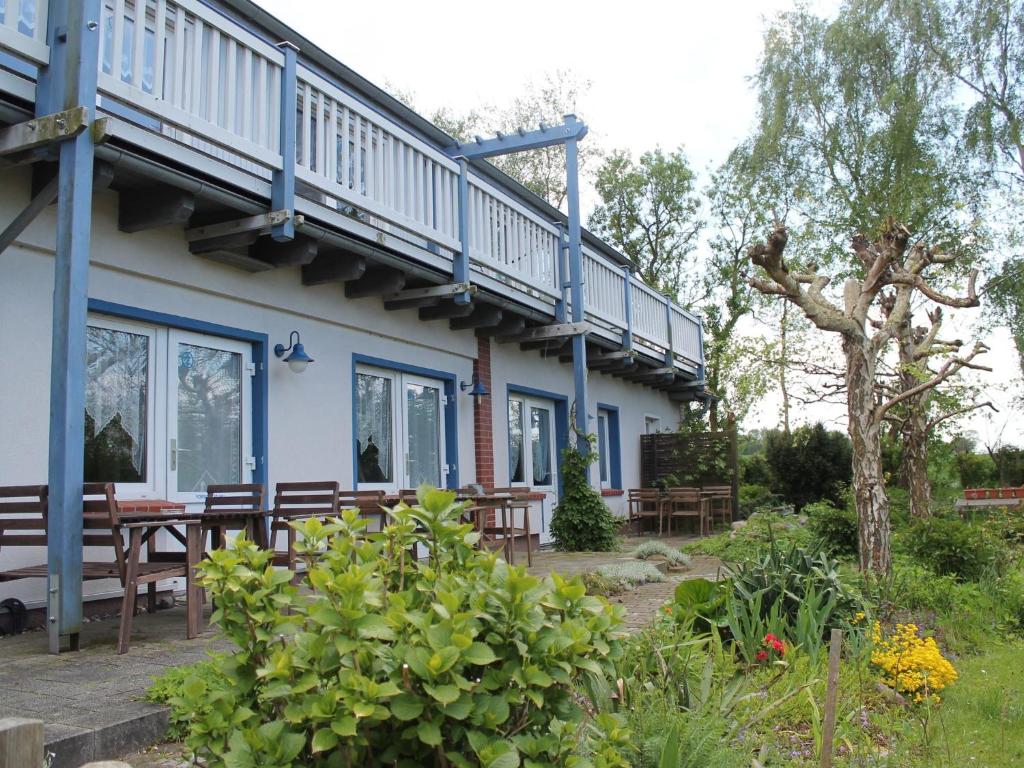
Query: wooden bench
{"x": 24, "y": 523}
{"x": 299, "y": 501}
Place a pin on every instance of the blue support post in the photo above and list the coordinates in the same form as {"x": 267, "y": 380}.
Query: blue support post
{"x": 579, "y": 341}
{"x": 460, "y": 266}
{"x": 561, "y": 303}
{"x": 69, "y": 81}
{"x": 282, "y": 190}
{"x": 627, "y": 336}
{"x": 670, "y": 355}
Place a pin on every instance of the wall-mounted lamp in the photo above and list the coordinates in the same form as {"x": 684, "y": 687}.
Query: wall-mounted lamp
{"x": 475, "y": 388}
{"x": 298, "y": 359}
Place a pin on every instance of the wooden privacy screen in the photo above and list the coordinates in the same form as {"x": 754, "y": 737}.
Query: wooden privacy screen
{"x": 692, "y": 459}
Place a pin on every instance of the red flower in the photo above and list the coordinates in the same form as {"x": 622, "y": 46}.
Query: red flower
{"x": 779, "y": 647}
{"x": 762, "y": 655}
{"x": 770, "y": 639}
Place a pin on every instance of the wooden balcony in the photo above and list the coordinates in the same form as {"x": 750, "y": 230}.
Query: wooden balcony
{"x": 195, "y": 89}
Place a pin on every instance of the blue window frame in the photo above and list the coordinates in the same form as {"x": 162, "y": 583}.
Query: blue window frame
{"x": 609, "y": 446}
{"x": 516, "y": 392}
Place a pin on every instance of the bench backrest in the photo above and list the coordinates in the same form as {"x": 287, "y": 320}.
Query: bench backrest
{"x": 23, "y": 515}
{"x": 364, "y": 501}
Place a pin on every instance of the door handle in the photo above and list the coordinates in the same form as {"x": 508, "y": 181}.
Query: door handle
{"x": 174, "y": 455}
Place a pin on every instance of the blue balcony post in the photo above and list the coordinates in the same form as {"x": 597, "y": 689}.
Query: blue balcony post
{"x": 460, "y": 266}
{"x": 627, "y": 336}
{"x": 562, "y": 302}
{"x": 69, "y": 81}
{"x": 579, "y": 341}
{"x": 700, "y": 345}
{"x": 282, "y": 189}
{"x": 670, "y": 355}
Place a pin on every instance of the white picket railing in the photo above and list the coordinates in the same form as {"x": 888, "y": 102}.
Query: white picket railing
{"x": 195, "y": 76}
{"x": 23, "y": 28}
{"x": 353, "y": 153}
{"x": 506, "y": 237}
{"x": 200, "y": 75}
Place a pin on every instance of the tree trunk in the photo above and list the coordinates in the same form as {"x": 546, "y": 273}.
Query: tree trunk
{"x": 783, "y": 362}
{"x": 914, "y": 460}
{"x": 870, "y": 498}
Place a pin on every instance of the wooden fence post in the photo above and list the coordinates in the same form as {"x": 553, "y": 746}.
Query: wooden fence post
{"x": 828, "y": 730}
{"x": 21, "y": 742}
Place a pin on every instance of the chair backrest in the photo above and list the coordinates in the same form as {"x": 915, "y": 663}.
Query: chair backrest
{"x": 23, "y": 515}
{"x": 364, "y": 501}
{"x": 408, "y": 495}
{"x": 644, "y": 493}
{"x": 100, "y": 520}
{"x": 234, "y": 497}
{"x": 717, "y": 489}
{"x": 683, "y": 499}
{"x": 318, "y": 498}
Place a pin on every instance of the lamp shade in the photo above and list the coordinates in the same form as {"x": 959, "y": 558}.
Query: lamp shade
{"x": 298, "y": 359}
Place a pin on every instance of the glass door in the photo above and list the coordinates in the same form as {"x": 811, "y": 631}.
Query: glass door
{"x": 208, "y": 423}
{"x": 424, "y": 432}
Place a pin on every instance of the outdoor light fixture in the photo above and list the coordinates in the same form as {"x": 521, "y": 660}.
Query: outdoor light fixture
{"x": 476, "y": 388}
{"x": 298, "y": 359}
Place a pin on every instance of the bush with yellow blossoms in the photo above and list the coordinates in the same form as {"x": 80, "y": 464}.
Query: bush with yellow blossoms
{"x": 911, "y": 664}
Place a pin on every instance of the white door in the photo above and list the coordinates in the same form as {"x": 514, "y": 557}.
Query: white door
{"x": 209, "y": 431}
{"x": 399, "y": 430}
{"x": 532, "y": 456}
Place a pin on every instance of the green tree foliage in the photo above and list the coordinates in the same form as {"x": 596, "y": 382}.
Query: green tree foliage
{"x": 381, "y": 659}
{"x": 809, "y": 465}
{"x": 650, "y": 211}
{"x": 582, "y": 521}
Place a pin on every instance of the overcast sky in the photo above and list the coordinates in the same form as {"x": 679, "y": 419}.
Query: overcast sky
{"x": 663, "y": 74}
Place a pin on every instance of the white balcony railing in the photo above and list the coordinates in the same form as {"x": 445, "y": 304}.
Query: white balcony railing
{"x": 189, "y": 73}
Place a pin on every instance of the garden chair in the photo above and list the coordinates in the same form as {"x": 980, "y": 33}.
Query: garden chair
{"x": 519, "y": 502}
{"x": 299, "y": 501}
{"x": 369, "y": 503}
{"x": 645, "y": 503}
{"x": 719, "y": 498}
{"x": 686, "y": 503}
{"x": 235, "y": 507}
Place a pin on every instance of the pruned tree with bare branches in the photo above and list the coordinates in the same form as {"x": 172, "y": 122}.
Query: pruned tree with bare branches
{"x": 867, "y": 321}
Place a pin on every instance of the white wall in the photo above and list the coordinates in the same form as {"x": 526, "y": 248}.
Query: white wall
{"x": 309, "y": 415}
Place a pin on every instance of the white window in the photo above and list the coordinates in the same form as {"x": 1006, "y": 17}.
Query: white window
{"x": 603, "y": 448}
{"x": 399, "y": 434}
{"x": 652, "y": 424}
{"x": 531, "y": 444}
{"x": 167, "y": 412}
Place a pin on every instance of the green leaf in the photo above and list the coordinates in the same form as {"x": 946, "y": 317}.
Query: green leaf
{"x": 507, "y": 760}
{"x": 445, "y": 694}
{"x": 670, "y": 749}
{"x": 375, "y": 627}
{"x": 429, "y": 733}
{"x": 344, "y": 726}
{"x": 324, "y": 739}
{"x": 479, "y": 654}
{"x": 406, "y": 706}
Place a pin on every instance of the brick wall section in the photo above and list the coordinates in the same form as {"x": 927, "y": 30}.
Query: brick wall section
{"x": 483, "y": 421}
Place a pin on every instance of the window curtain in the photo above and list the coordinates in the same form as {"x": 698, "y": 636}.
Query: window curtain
{"x": 374, "y": 428}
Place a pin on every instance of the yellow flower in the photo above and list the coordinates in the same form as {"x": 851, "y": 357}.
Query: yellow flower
{"x": 911, "y": 664}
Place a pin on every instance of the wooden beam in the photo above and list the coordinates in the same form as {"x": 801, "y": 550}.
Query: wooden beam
{"x": 509, "y": 325}
{"x": 40, "y": 131}
{"x": 141, "y": 209}
{"x": 556, "y": 331}
{"x": 374, "y": 282}
{"x": 650, "y": 376}
{"x": 483, "y": 316}
{"x": 445, "y": 311}
{"x": 333, "y": 266}
{"x": 232, "y": 250}
{"x": 290, "y": 253}
{"x": 427, "y": 296}
{"x": 257, "y": 225}
{"x": 559, "y": 352}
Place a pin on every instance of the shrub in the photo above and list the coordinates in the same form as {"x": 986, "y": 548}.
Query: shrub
{"x": 756, "y": 498}
{"x": 750, "y": 540}
{"x": 630, "y": 575}
{"x": 380, "y": 659}
{"x": 911, "y": 664}
{"x": 168, "y": 686}
{"x": 582, "y": 521}
{"x": 977, "y": 470}
{"x": 754, "y": 470}
{"x": 655, "y": 548}
{"x": 836, "y": 527}
{"x": 809, "y": 464}
{"x": 951, "y": 546}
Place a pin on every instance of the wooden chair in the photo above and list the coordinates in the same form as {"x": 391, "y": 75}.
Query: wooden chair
{"x": 686, "y": 503}
{"x": 369, "y": 504}
{"x": 719, "y": 498}
{"x": 519, "y": 502}
{"x": 234, "y": 507}
{"x": 28, "y": 526}
{"x": 646, "y": 503}
{"x": 492, "y": 520}
{"x": 299, "y": 501}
